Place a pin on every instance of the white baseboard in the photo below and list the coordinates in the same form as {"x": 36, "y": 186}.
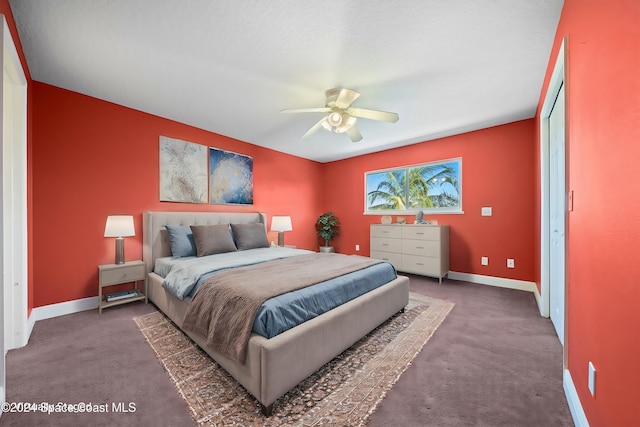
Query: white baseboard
{"x": 31, "y": 322}
{"x": 61, "y": 309}
{"x": 579, "y": 417}
{"x": 501, "y": 282}
{"x": 536, "y": 293}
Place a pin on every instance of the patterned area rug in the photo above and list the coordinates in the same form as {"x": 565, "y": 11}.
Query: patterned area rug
{"x": 344, "y": 392}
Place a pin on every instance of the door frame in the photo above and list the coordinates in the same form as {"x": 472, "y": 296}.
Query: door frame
{"x": 14, "y": 330}
{"x": 558, "y": 79}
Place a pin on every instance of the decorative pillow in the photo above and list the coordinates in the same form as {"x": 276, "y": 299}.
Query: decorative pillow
{"x": 181, "y": 240}
{"x": 212, "y": 239}
{"x": 250, "y": 236}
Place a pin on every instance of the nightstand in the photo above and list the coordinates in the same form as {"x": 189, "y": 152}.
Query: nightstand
{"x": 116, "y": 274}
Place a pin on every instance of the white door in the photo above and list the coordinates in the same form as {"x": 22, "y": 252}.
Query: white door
{"x": 557, "y": 209}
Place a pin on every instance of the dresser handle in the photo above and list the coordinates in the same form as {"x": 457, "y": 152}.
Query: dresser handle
{"x": 419, "y": 247}
{"x": 419, "y": 263}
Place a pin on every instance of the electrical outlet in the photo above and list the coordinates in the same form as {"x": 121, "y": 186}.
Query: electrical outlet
{"x": 485, "y": 260}
{"x": 592, "y": 379}
{"x": 357, "y": 248}
{"x": 511, "y": 263}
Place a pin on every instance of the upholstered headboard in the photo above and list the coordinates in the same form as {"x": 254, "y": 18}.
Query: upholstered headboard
{"x": 156, "y": 239}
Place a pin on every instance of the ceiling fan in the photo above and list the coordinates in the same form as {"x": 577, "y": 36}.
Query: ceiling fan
{"x": 341, "y": 115}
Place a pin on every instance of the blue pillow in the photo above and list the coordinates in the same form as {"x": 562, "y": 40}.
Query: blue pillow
{"x": 181, "y": 240}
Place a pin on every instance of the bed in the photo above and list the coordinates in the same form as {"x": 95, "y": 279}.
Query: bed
{"x": 271, "y": 366}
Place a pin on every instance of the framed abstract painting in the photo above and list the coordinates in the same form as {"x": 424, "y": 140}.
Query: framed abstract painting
{"x": 183, "y": 171}
{"x": 230, "y": 178}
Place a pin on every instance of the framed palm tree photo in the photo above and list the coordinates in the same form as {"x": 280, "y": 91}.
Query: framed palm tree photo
{"x": 433, "y": 187}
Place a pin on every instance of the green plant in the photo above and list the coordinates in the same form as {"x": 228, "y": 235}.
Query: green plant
{"x": 327, "y": 226}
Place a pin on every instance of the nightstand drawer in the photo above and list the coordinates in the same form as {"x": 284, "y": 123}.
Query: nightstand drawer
{"x": 122, "y": 274}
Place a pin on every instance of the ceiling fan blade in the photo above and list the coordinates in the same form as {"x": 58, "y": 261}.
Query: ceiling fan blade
{"x": 354, "y": 134}
{"x": 307, "y": 110}
{"x": 315, "y": 127}
{"x": 373, "y": 114}
{"x": 346, "y": 97}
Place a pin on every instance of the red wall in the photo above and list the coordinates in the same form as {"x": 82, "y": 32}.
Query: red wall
{"x": 603, "y": 88}
{"x": 497, "y": 171}
{"x": 92, "y": 158}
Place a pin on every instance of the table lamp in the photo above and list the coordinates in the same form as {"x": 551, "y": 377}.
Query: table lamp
{"x": 119, "y": 226}
{"x": 281, "y": 224}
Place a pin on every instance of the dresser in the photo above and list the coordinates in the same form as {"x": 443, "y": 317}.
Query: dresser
{"x": 412, "y": 248}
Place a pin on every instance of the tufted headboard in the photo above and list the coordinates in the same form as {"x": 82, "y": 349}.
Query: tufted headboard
{"x": 155, "y": 241}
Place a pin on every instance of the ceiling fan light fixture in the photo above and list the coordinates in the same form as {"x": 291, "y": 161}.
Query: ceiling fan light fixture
{"x": 347, "y": 123}
{"x": 338, "y": 122}
{"x": 335, "y": 119}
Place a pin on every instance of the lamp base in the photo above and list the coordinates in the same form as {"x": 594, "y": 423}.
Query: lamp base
{"x": 280, "y": 238}
{"x": 119, "y": 250}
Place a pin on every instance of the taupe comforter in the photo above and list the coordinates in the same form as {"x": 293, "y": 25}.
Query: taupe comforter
{"x": 224, "y": 307}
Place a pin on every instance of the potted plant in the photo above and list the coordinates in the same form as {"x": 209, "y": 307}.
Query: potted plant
{"x": 327, "y": 228}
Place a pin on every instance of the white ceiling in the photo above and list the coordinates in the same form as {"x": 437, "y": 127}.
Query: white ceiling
{"x": 230, "y": 66}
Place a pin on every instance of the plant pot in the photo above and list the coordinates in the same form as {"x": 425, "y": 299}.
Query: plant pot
{"x": 326, "y": 249}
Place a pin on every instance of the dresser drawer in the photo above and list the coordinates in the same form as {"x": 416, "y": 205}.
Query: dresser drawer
{"x": 421, "y": 265}
{"x": 394, "y": 231}
{"x": 394, "y": 259}
{"x": 122, "y": 274}
{"x": 421, "y": 232}
{"x": 385, "y": 244}
{"x": 427, "y": 248}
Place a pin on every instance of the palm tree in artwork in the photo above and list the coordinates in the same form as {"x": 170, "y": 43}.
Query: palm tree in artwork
{"x": 391, "y": 193}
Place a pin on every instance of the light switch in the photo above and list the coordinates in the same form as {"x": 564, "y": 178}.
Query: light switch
{"x": 487, "y": 211}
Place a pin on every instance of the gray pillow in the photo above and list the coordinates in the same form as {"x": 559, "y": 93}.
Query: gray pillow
{"x": 181, "y": 240}
{"x": 250, "y": 236}
{"x": 212, "y": 239}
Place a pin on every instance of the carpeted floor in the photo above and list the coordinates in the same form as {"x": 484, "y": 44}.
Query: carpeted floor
{"x": 342, "y": 393}
{"x": 492, "y": 362}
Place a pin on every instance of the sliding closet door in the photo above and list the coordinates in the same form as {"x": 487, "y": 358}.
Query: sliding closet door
{"x": 557, "y": 209}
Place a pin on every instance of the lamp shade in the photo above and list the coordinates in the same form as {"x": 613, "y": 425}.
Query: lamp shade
{"x": 119, "y": 226}
{"x": 281, "y": 223}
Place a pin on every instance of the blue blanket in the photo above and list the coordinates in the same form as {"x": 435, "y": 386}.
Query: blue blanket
{"x": 286, "y": 311}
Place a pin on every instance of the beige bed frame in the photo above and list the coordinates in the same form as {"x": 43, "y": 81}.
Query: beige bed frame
{"x": 273, "y": 366}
